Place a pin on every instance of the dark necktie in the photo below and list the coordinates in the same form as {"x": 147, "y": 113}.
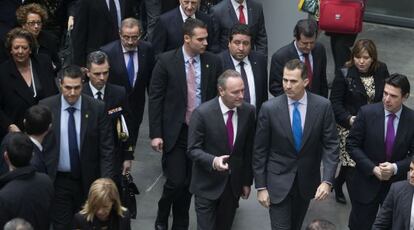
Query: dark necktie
{"x": 297, "y": 126}
{"x": 230, "y": 130}
{"x": 245, "y": 81}
{"x": 242, "y": 19}
{"x": 99, "y": 95}
{"x": 390, "y": 136}
{"x": 131, "y": 69}
{"x": 73, "y": 145}
{"x": 114, "y": 13}
{"x": 309, "y": 68}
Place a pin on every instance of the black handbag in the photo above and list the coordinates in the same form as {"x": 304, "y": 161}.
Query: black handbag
{"x": 65, "y": 53}
{"x": 128, "y": 192}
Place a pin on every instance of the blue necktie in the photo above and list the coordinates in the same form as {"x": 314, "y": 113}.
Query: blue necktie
{"x": 73, "y": 145}
{"x": 130, "y": 68}
{"x": 297, "y": 126}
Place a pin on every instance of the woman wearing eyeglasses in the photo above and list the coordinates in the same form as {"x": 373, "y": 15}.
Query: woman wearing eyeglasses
{"x": 32, "y": 17}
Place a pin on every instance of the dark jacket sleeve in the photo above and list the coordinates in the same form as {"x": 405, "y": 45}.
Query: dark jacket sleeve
{"x": 275, "y": 75}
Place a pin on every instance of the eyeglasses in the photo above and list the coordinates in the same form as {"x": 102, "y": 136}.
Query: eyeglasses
{"x": 33, "y": 23}
{"x": 130, "y": 38}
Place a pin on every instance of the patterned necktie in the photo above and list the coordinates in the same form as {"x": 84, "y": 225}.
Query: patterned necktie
{"x": 297, "y": 126}
{"x": 246, "y": 83}
{"x": 75, "y": 167}
{"x": 99, "y": 95}
{"x": 230, "y": 130}
{"x": 191, "y": 90}
{"x": 309, "y": 68}
{"x": 131, "y": 69}
{"x": 242, "y": 19}
{"x": 390, "y": 136}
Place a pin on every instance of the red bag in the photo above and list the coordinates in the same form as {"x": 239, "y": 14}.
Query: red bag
{"x": 341, "y": 16}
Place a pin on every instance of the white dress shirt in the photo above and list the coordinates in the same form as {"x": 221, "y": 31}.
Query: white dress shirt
{"x": 236, "y": 9}
{"x": 250, "y": 77}
{"x": 95, "y": 91}
{"x": 224, "y": 109}
{"x": 303, "y": 103}
{"x": 302, "y": 58}
{"x": 126, "y": 59}
{"x": 184, "y": 16}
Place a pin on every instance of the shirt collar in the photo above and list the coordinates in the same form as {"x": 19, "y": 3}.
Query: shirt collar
{"x": 94, "y": 90}
{"x": 37, "y": 143}
{"x": 303, "y": 100}
{"x": 237, "y": 62}
{"x": 397, "y": 114}
{"x": 187, "y": 57}
{"x": 126, "y": 51}
{"x": 300, "y": 54}
{"x": 66, "y": 105}
{"x": 183, "y": 15}
{"x": 224, "y": 109}
{"x": 236, "y": 4}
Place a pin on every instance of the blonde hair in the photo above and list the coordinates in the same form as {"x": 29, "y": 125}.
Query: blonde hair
{"x": 101, "y": 192}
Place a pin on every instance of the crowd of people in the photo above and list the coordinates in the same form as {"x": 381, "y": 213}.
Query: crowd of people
{"x": 69, "y": 131}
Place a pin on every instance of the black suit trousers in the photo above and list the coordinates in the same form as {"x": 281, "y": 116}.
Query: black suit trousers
{"x": 67, "y": 201}
{"x": 176, "y": 195}
{"x": 363, "y": 215}
{"x": 216, "y": 214}
{"x": 290, "y": 213}
{"x": 341, "y": 49}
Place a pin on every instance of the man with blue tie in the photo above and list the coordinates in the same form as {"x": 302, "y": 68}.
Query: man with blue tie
{"x": 295, "y": 131}
{"x": 131, "y": 61}
{"x": 381, "y": 142}
{"x": 79, "y": 148}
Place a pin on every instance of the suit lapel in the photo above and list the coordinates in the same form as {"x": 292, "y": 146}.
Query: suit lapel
{"x": 285, "y": 119}
{"x": 232, "y": 13}
{"x": 241, "y": 120}
{"x": 21, "y": 87}
{"x": 311, "y": 115}
{"x": 401, "y": 131}
{"x": 250, "y": 14}
{"x": 256, "y": 74}
{"x": 217, "y": 115}
{"x": 56, "y": 111}
{"x": 104, "y": 8}
{"x": 121, "y": 64}
{"x": 406, "y": 203}
{"x": 181, "y": 74}
{"x": 204, "y": 66}
{"x": 228, "y": 62}
{"x": 84, "y": 121}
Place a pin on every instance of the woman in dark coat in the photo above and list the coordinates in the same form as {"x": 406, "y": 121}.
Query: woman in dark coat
{"x": 24, "y": 80}
{"x": 361, "y": 82}
{"x": 102, "y": 209}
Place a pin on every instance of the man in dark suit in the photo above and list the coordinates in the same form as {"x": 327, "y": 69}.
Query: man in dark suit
{"x": 79, "y": 148}
{"x": 37, "y": 123}
{"x": 115, "y": 100}
{"x": 133, "y": 74}
{"x": 97, "y": 23}
{"x": 227, "y": 13}
{"x": 182, "y": 79}
{"x": 395, "y": 212}
{"x": 250, "y": 64}
{"x": 378, "y": 165}
{"x": 24, "y": 192}
{"x": 295, "y": 131}
{"x": 220, "y": 144}
{"x": 309, "y": 51}
{"x": 168, "y": 33}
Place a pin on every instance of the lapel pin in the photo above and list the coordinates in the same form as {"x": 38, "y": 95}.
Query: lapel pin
{"x": 207, "y": 66}
{"x": 86, "y": 115}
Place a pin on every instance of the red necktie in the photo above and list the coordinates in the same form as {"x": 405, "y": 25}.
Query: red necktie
{"x": 230, "y": 130}
{"x": 309, "y": 68}
{"x": 242, "y": 19}
{"x": 191, "y": 90}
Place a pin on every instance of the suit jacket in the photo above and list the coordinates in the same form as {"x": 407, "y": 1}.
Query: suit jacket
{"x": 118, "y": 75}
{"x": 276, "y": 163}
{"x": 94, "y": 27}
{"x": 225, "y": 18}
{"x": 168, "y": 93}
{"x": 116, "y": 222}
{"x": 259, "y": 68}
{"x": 168, "y": 33}
{"x": 115, "y": 99}
{"x": 16, "y": 97}
{"x": 49, "y": 44}
{"x": 365, "y": 145}
{"x": 348, "y": 93}
{"x": 207, "y": 138}
{"x": 27, "y": 194}
{"x": 396, "y": 209}
{"x": 96, "y": 143}
{"x": 287, "y": 53}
